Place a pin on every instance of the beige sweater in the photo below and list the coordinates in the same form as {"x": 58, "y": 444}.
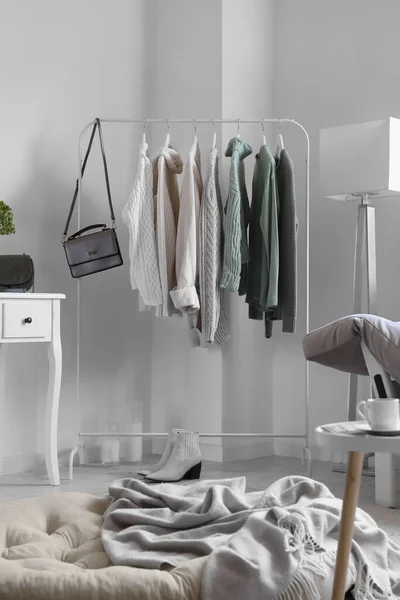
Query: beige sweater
{"x": 167, "y": 165}
{"x": 184, "y": 295}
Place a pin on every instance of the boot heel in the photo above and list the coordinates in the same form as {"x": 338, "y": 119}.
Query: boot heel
{"x": 194, "y": 472}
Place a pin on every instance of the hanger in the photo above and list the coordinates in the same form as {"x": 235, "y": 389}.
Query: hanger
{"x": 238, "y": 129}
{"x": 264, "y": 141}
{"x": 144, "y": 132}
{"x": 280, "y": 145}
{"x": 195, "y": 129}
{"x": 214, "y": 142}
{"x": 168, "y": 136}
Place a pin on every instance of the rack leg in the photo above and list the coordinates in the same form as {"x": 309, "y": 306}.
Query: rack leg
{"x": 307, "y": 454}
{"x": 71, "y": 462}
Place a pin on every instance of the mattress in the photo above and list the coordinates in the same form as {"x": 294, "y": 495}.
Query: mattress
{"x": 50, "y": 548}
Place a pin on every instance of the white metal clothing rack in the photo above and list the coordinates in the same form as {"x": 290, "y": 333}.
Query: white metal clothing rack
{"x": 195, "y": 122}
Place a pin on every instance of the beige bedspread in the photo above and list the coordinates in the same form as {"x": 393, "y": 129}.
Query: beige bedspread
{"x": 50, "y": 548}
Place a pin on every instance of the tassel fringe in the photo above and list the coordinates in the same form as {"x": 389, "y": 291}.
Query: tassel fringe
{"x": 315, "y": 562}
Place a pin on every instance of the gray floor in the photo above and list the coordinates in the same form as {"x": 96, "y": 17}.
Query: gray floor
{"x": 259, "y": 474}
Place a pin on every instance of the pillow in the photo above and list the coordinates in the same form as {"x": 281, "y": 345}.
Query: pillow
{"x": 338, "y": 344}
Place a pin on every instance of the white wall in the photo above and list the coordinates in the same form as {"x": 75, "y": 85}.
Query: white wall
{"x": 184, "y": 80}
{"x": 335, "y": 63}
{"x": 228, "y": 389}
{"x": 61, "y": 64}
{"x": 247, "y": 73}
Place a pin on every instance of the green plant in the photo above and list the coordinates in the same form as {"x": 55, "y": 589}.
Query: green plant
{"x": 7, "y": 226}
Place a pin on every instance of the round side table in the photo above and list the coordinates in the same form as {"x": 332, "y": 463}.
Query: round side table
{"x": 356, "y": 444}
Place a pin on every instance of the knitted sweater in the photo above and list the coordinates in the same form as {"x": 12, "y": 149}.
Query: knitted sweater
{"x": 288, "y": 228}
{"x": 184, "y": 295}
{"x": 263, "y": 268}
{"x": 165, "y": 188}
{"x": 236, "y": 251}
{"x": 213, "y": 319}
{"x": 138, "y": 215}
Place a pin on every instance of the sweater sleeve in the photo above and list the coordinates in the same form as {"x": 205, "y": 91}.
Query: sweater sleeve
{"x": 232, "y": 263}
{"x": 269, "y": 227}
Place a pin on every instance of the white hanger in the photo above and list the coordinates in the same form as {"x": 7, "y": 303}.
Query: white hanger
{"x": 195, "y": 129}
{"x": 168, "y": 137}
{"x": 238, "y": 129}
{"x": 214, "y": 142}
{"x": 264, "y": 141}
{"x": 280, "y": 145}
{"x": 144, "y": 132}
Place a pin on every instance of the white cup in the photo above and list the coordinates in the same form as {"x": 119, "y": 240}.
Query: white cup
{"x": 381, "y": 414}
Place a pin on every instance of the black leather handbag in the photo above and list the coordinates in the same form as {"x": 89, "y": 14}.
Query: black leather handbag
{"x": 92, "y": 252}
{"x": 16, "y": 273}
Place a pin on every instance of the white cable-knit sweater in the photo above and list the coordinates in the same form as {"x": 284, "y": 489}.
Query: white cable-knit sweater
{"x": 138, "y": 215}
{"x": 167, "y": 165}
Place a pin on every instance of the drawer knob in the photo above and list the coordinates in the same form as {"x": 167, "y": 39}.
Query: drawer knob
{"x": 28, "y": 320}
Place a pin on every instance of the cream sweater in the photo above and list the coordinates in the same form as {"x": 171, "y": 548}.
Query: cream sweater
{"x": 138, "y": 215}
{"x": 184, "y": 295}
{"x": 167, "y": 165}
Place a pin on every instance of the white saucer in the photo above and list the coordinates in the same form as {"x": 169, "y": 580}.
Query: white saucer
{"x": 365, "y": 428}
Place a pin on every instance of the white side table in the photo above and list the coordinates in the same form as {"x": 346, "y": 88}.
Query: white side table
{"x": 36, "y": 318}
{"x": 356, "y": 445}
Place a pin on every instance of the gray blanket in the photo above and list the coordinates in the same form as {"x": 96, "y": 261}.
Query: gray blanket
{"x": 269, "y": 545}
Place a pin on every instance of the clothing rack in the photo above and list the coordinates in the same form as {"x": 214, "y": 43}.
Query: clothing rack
{"x": 195, "y": 122}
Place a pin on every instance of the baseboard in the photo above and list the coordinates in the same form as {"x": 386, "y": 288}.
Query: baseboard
{"x": 11, "y": 465}
{"x": 242, "y": 449}
{"x": 295, "y": 447}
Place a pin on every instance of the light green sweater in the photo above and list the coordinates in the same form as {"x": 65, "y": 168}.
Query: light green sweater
{"x": 236, "y": 250}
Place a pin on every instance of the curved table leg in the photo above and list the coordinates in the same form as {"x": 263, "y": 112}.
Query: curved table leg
{"x": 53, "y": 397}
{"x": 350, "y": 500}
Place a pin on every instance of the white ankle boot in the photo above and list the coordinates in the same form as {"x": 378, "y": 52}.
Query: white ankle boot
{"x": 184, "y": 462}
{"x": 165, "y": 455}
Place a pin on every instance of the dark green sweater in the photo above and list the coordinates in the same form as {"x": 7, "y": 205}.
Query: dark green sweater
{"x": 287, "y": 227}
{"x": 263, "y": 267}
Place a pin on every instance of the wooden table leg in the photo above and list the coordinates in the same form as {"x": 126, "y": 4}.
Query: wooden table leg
{"x": 353, "y": 480}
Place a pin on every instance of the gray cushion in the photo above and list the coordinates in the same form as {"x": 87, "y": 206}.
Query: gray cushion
{"x": 338, "y": 344}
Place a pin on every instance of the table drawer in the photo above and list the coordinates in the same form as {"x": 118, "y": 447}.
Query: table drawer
{"x": 27, "y": 319}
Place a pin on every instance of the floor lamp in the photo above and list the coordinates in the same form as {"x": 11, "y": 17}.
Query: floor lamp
{"x": 361, "y": 163}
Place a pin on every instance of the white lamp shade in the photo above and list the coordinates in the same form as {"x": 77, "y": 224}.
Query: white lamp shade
{"x": 360, "y": 158}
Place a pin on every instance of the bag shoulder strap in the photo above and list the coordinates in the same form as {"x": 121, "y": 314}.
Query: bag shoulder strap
{"x": 96, "y": 126}
{"x": 103, "y": 154}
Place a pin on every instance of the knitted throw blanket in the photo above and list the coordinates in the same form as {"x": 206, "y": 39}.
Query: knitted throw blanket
{"x": 273, "y": 544}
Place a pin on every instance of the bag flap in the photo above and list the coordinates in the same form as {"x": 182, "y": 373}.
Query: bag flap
{"x": 91, "y": 247}
{"x": 15, "y": 269}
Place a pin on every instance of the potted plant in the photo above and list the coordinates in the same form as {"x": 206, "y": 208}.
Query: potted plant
{"x": 16, "y": 270}
{"x": 7, "y": 226}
